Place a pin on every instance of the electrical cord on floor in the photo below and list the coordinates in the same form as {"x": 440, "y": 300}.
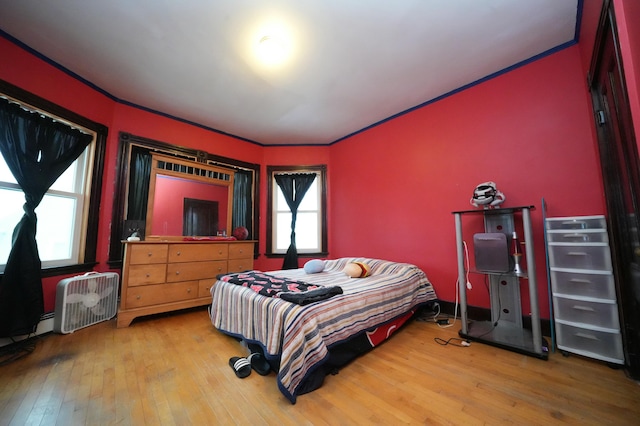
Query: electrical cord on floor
{"x": 455, "y": 341}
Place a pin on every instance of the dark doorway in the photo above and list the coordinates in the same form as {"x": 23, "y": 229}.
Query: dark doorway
{"x": 200, "y": 217}
{"x": 621, "y": 177}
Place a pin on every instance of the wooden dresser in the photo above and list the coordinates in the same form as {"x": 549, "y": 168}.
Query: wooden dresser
{"x": 163, "y": 276}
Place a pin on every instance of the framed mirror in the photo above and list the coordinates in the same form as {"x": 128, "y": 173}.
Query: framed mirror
{"x": 188, "y": 199}
{"x": 136, "y": 191}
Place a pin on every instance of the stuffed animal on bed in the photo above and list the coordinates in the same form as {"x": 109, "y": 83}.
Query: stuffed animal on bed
{"x": 357, "y": 269}
{"x": 314, "y": 266}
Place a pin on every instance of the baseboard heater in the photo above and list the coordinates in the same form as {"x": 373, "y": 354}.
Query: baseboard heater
{"x": 44, "y": 326}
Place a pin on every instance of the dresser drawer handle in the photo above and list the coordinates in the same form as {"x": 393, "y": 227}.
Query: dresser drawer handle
{"x": 138, "y": 297}
{"x": 188, "y": 290}
{"x": 148, "y": 275}
{"x": 178, "y": 253}
{"x": 583, "y": 308}
{"x": 177, "y": 272}
{"x": 149, "y": 254}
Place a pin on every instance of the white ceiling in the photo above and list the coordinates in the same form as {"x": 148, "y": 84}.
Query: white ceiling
{"x": 353, "y": 63}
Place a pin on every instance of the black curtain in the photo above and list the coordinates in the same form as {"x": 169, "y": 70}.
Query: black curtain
{"x": 139, "y": 184}
{"x": 37, "y": 150}
{"x": 293, "y": 187}
{"x": 242, "y": 208}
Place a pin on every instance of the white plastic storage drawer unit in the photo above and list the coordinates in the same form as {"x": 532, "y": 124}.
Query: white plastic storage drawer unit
{"x": 586, "y": 256}
{"x": 596, "y": 284}
{"x": 602, "y": 344}
{"x": 583, "y": 288}
{"x": 564, "y": 224}
{"x": 597, "y": 312}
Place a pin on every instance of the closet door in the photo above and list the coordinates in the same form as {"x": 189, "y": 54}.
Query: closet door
{"x": 621, "y": 176}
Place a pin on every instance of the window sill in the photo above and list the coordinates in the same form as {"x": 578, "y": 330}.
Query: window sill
{"x": 65, "y": 270}
{"x": 300, "y": 255}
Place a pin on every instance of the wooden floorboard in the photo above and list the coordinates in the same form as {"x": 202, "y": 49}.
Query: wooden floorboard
{"x": 173, "y": 370}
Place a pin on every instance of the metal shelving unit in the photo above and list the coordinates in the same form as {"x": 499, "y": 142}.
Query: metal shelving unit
{"x": 505, "y": 330}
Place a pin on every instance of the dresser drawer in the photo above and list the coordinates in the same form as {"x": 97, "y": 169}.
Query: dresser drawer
{"x": 577, "y": 222}
{"x": 146, "y": 274}
{"x": 578, "y": 236}
{"x": 240, "y": 265}
{"x": 599, "y": 344}
{"x": 594, "y": 284}
{"x": 187, "y": 271}
{"x": 161, "y": 293}
{"x": 194, "y": 252}
{"x": 147, "y": 253}
{"x": 204, "y": 287}
{"x": 594, "y": 256}
{"x": 241, "y": 251}
{"x": 600, "y": 314}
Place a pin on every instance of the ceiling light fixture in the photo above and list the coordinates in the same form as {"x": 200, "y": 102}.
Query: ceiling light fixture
{"x": 272, "y": 50}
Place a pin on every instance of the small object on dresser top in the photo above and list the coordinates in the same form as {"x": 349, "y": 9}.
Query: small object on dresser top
{"x": 210, "y": 238}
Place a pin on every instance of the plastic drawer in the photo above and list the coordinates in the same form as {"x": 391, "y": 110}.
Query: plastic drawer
{"x": 599, "y": 344}
{"x": 578, "y": 236}
{"x": 580, "y": 256}
{"x": 588, "y": 284}
{"x": 577, "y": 222}
{"x": 600, "y": 314}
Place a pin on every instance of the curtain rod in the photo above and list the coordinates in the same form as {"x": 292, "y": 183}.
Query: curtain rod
{"x": 34, "y": 110}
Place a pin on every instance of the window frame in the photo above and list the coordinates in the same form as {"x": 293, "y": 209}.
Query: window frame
{"x": 93, "y": 191}
{"x": 322, "y": 174}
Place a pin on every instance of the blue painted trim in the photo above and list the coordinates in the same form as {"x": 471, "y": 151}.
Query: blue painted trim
{"x": 54, "y": 64}
{"x": 182, "y": 120}
{"x": 70, "y": 73}
{"x": 462, "y": 88}
{"x": 576, "y": 35}
{"x": 429, "y": 102}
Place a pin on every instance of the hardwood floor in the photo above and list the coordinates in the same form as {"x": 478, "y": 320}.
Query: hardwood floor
{"x": 174, "y": 369}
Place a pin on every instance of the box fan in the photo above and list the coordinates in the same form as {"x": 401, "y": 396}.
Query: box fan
{"x": 85, "y": 300}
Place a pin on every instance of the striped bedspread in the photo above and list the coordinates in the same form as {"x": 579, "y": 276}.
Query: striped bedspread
{"x": 301, "y": 336}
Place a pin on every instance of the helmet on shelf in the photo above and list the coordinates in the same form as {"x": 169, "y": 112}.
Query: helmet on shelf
{"x": 486, "y": 194}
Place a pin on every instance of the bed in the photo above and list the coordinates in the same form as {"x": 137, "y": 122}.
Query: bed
{"x": 304, "y": 343}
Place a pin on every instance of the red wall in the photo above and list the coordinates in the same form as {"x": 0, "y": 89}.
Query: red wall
{"x": 391, "y": 189}
{"x": 30, "y": 73}
{"x": 394, "y": 187}
{"x": 591, "y": 10}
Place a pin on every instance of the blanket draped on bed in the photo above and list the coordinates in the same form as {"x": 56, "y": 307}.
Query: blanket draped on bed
{"x": 300, "y": 338}
{"x": 294, "y": 291}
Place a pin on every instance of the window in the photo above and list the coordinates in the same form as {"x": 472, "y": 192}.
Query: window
{"x": 61, "y": 214}
{"x": 311, "y": 232}
{"x": 67, "y": 225}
